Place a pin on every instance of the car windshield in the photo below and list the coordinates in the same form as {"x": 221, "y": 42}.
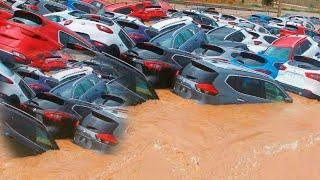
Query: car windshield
{"x": 278, "y": 52}
{"x": 164, "y": 40}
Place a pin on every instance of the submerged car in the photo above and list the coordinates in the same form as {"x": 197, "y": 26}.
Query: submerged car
{"x": 27, "y": 132}
{"x": 301, "y": 76}
{"x": 214, "y": 82}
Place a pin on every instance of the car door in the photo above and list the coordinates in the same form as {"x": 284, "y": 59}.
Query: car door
{"x": 247, "y": 89}
{"x": 25, "y": 130}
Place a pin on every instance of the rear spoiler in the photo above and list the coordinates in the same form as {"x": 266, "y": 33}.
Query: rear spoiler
{"x": 307, "y": 60}
{"x": 150, "y": 47}
{"x": 212, "y": 47}
{"x": 153, "y": 7}
{"x": 51, "y": 97}
{"x": 189, "y": 13}
{"x": 124, "y": 23}
{"x": 172, "y": 10}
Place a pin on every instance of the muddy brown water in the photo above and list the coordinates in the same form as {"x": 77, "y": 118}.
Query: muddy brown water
{"x": 174, "y": 138}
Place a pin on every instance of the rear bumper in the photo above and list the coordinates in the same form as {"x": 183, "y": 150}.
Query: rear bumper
{"x": 84, "y": 140}
{"x": 299, "y": 91}
{"x": 187, "y": 91}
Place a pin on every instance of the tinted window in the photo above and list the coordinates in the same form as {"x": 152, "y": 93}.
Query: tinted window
{"x": 82, "y": 7}
{"x": 247, "y": 85}
{"x": 302, "y": 48}
{"x": 172, "y": 27}
{"x": 65, "y": 38}
{"x": 53, "y": 8}
{"x": 125, "y": 11}
{"x": 269, "y": 39}
{"x": 182, "y": 38}
{"x": 273, "y": 93}
{"x": 237, "y": 37}
{"x": 164, "y": 39}
{"x": 223, "y": 30}
{"x": 125, "y": 39}
{"x": 262, "y": 30}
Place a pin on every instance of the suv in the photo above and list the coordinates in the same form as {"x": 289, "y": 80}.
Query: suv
{"x": 214, "y": 82}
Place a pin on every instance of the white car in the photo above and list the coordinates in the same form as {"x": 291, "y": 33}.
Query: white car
{"x": 230, "y": 19}
{"x": 169, "y": 24}
{"x": 301, "y": 76}
{"x": 103, "y": 32}
{"x": 262, "y": 41}
{"x": 12, "y": 84}
{"x": 64, "y": 15}
{"x": 115, "y": 16}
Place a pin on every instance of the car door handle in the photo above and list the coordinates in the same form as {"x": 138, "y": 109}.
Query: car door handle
{"x": 240, "y": 100}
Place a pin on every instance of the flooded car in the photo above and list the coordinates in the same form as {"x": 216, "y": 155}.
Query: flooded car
{"x": 223, "y": 83}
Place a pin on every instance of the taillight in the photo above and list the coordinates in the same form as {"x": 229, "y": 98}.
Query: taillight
{"x": 67, "y": 22}
{"x": 282, "y": 67}
{"x": 19, "y": 57}
{"x": 155, "y": 65}
{"x": 56, "y": 116}
{"x": 136, "y": 36}
{"x": 207, "y": 88}
{"x": 263, "y": 71}
{"x": 97, "y": 44}
{"x": 313, "y": 76}
{"x": 257, "y": 42}
{"x": 104, "y": 29}
{"x": 107, "y": 138}
{"x": 35, "y": 86}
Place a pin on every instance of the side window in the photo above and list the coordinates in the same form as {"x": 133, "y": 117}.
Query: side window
{"x": 78, "y": 91}
{"x": 273, "y": 93}
{"x": 178, "y": 41}
{"x": 247, "y": 85}
{"x": 206, "y": 21}
{"x": 302, "y": 48}
{"x": 72, "y": 77}
{"x": 124, "y": 11}
{"x": 43, "y": 138}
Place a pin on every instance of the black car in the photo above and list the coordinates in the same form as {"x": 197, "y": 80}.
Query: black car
{"x": 159, "y": 64}
{"x": 27, "y": 135}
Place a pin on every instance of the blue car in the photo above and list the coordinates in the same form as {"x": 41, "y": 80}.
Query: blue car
{"x": 259, "y": 62}
{"x": 138, "y": 33}
{"x": 187, "y": 38}
{"x": 259, "y": 18}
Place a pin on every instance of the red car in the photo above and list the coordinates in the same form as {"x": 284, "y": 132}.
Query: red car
{"x": 142, "y": 10}
{"x": 5, "y": 6}
{"x": 292, "y": 30}
{"x": 28, "y": 38}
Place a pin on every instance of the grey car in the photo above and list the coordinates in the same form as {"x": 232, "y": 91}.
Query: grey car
{"x": 217, "y": 82}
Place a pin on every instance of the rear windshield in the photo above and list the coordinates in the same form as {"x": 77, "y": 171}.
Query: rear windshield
{"x": 51, "y": 98}
{"x": 224, "y": 30}
{"x": 197, "y": 72}
{"x": 307, "y": 60}
{"x": 278, "y": 52}
{"x": 251, "y": 59}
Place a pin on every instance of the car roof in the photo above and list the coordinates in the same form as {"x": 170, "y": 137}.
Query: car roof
{"x": 168, "y": 22}
{"x": 70, "y": 72}
{"x": 288, "y": 41}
